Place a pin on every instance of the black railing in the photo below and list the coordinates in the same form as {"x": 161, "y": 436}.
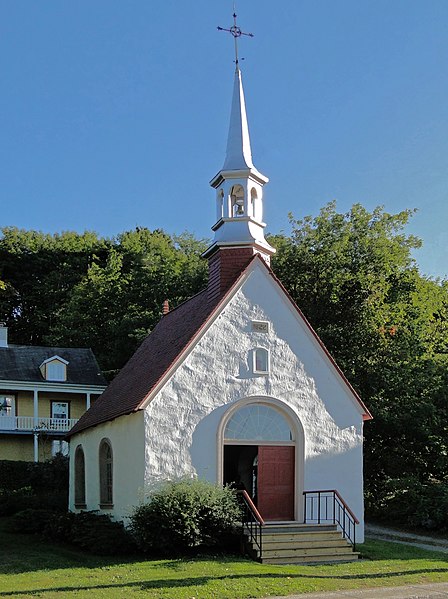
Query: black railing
{"x": 251, "y": 521}
{"x": 328, "y": 506}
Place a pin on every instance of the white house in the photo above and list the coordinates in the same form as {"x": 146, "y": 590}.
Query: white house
{"x": 231, "y": 386}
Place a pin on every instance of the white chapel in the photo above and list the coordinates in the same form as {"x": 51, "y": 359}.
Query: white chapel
{"x": 232, "y": 386}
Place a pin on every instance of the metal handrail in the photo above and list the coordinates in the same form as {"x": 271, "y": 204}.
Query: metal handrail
{"x": 329, "y": 506}
{"x": 251, "y": 520}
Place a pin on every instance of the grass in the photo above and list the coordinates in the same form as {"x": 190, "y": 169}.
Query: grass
{"x": 32, "y": 568}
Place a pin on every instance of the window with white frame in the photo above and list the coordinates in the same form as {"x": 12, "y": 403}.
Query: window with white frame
{"x": 7, "y": 405}
{"x": 260, "y": 360}
{"x": 257, "y": 422}
{"x": 59, "y": 446}
{"x": 56, "y": 371}
{"x": 60, "y": 410}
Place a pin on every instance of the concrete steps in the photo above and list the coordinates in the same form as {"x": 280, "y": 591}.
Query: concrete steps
{"x": 294, "y": 543}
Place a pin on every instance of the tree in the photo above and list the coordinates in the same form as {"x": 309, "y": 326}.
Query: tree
{"x": 117, "y": 303}
{"x": 39, "y": 271}
{"x": 355, "y": 279}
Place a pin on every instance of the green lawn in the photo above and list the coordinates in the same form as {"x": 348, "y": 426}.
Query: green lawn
{"x": 31, "y": 568}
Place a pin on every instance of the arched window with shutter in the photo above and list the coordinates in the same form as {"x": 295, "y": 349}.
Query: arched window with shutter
{"x": 80, "y": 478}
{"x": 106, "y": 474}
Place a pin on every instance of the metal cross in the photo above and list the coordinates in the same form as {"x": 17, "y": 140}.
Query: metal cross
{"x": 236, "y": 32}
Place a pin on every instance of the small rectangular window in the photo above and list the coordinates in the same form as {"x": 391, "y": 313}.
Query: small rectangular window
{"x": 59, "y": 410}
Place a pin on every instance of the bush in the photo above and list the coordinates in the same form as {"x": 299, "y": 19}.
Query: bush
{"x": 40, "y": 476}
{"x": 31, "y": 521}
{"x": 409, "y": 502}
{"x": 92, "y": 532}
{"x": 29, "y": 485}
{"x": 185, "y": 514}
{"x": 99, "y": 534}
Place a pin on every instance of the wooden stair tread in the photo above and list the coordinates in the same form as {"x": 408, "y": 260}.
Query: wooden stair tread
{"x": 352, "y": 556}
{"x": 288, "y": 543}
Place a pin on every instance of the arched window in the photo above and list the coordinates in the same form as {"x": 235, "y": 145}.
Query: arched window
{"x": 106, "y": 474}
{"x": 258, "y": 422}
{"x": 80, "y": 478}
{"x": 255, "y": 205}
{"x": 220, "y": 204}
{"x": 237, "y": 197}
{"x": 260, "y": 360}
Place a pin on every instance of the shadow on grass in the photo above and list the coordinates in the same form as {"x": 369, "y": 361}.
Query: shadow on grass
{"x": 202, "y": 580}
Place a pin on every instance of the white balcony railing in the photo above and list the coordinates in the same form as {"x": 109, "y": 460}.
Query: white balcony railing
{"x": 29, "y": 423}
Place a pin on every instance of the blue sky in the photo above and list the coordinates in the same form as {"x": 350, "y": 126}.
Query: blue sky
{"x": 115, "y": 114}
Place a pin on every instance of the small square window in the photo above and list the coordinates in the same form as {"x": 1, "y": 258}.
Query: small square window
{"x": 261, "y": 360}
{"x": 56, "y": 371}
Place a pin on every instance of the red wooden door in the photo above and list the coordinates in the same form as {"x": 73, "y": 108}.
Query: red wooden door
{"x": 276, "y": 482}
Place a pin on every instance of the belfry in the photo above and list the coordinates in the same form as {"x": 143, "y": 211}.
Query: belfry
{"x": 239, "y": 227}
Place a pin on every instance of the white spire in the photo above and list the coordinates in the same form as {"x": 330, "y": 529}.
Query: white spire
{"x": 238, "y": 154}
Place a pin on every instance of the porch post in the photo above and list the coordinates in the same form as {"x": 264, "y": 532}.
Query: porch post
{"x": 36, "y": 406}
{"x": 36, "y": 447}
{"x": 88, "y": 400}
{"x": 36, "y": 418}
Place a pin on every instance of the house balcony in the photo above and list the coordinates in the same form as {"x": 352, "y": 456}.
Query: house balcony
{"x": 29, "y": 424}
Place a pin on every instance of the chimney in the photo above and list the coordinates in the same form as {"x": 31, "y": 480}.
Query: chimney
{"x": 224, "y": 266}
{"x": 165, "y": 307}
{"x": 3, "y": 335}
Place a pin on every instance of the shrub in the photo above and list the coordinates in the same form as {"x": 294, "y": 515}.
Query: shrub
{"x": 29, "y": 485}
{"x": 95, "y": 533}
{"x": 40, "y": 476}
{"x": 31, "y": 521}
{"x": 99, "y": 534}
{"x": 409, "y": 502}
{"x": 185, "y": 514}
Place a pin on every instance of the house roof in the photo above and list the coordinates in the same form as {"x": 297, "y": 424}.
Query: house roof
{"x": 163, "y": 347}
{"x": 22, "y": 362}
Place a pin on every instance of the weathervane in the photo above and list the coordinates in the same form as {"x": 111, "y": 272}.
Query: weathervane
{"x": 236, "y": 32}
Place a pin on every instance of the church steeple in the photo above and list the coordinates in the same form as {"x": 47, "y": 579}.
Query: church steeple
{"x": 239, "y": 228}
{"x": 238, "y": 154}
{"x": 239, "y": 187}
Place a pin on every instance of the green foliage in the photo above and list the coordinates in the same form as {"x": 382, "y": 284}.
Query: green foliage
{"x": 31, "y": 262}
{"x": 410, "y": 503}
{"x": 354, "y": 277}
{"x": 185, "y": 514}
{"x": 106, "y": 294}
{"x": 31, "y": 521}
{"x": 30, "y": 485}
{"x": 92, "y": 532}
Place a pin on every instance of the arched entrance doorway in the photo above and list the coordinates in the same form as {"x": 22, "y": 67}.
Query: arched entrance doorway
{"x": 260, "y": 454}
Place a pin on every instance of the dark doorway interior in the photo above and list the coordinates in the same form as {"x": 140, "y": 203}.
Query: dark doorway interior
{"x": 240, "y": 468}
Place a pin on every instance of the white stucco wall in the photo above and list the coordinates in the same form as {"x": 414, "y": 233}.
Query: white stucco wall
{"x": 126, "y": 435}
{"x": 182, "y": 421}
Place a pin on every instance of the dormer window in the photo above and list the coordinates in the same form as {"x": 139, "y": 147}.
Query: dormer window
{"x": 54, "y": 369}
